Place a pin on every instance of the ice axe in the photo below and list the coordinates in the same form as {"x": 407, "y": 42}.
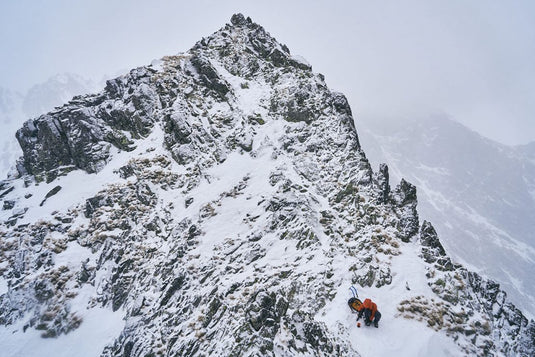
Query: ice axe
{"x": 354, "y": 292}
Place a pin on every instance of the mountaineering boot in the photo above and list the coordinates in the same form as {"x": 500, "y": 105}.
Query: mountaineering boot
{"x": 376, "y": 324}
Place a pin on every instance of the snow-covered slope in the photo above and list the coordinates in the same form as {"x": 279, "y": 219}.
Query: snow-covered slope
{"x": 478, "y": 193}
{"x": 218, "y": 202}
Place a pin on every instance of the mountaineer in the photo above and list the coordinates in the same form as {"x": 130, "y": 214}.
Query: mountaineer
{"x": 368, "y": 308}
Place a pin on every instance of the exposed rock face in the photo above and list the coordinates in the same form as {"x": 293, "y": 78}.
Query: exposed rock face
{"x": 81, "y": 133}
{"x": 383, "y": 183}
{"x": 245, "y": 206}
{"x": 15, "y": 108}
{"x": 431, "y": 247}
{"x": 404, "y": 197}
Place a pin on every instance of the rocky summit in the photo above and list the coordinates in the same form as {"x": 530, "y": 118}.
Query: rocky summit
{"x": 218, "y": 203}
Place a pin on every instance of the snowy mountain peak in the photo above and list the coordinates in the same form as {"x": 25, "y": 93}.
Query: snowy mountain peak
{"x": 240, "y": 20}
{"x": 218, "y": 202}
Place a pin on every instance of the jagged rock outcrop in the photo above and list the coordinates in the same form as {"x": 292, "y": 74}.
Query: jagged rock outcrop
{"x": 81, "y": 133}
{"x": 404, "y": 197}
{"x": 245, "y": 206}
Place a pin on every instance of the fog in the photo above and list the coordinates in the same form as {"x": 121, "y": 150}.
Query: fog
{"x": 472, "y": 61}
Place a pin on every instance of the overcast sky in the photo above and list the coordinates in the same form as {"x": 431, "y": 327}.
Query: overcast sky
{"x": 473, "y": 61}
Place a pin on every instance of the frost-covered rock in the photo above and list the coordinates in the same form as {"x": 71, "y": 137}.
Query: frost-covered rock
{"x": 81, "y": 133}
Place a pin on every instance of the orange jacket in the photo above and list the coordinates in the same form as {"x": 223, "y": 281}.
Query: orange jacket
{"x": 368, "y": 304}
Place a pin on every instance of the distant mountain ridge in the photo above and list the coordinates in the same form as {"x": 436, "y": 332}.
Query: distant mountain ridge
{"x": 218, "y": 202}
